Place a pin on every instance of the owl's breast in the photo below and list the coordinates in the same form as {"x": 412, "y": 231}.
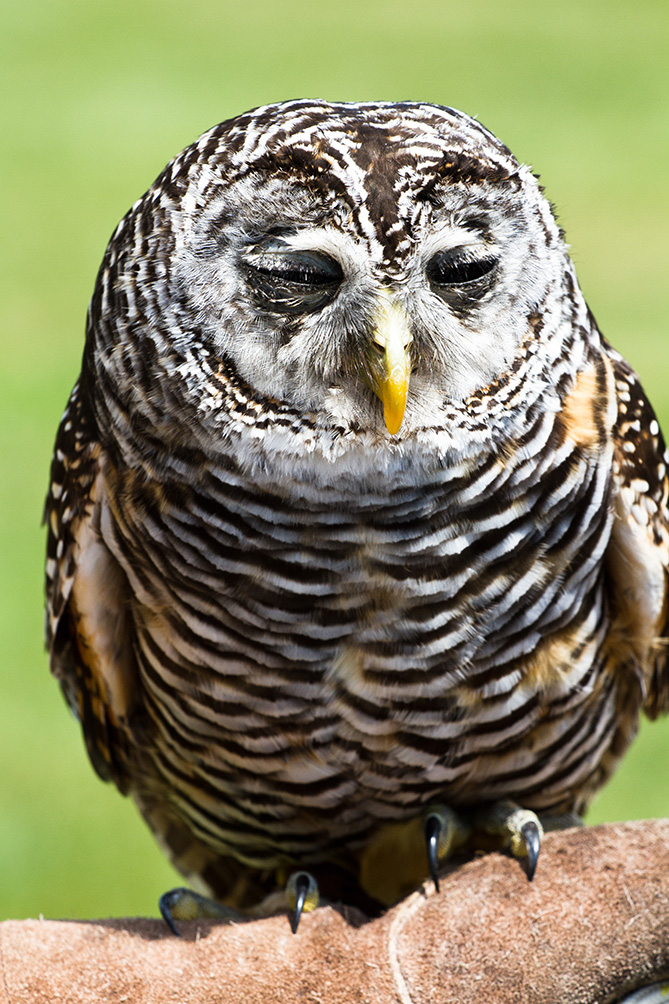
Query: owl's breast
{"x": 353, "y": 650}
{"x": 374, "y": 609}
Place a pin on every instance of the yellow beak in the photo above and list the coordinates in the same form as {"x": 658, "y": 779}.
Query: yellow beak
{"x": 391, "y": 369}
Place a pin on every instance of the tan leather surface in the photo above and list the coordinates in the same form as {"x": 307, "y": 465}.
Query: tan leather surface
{"x": 593, "y": 926}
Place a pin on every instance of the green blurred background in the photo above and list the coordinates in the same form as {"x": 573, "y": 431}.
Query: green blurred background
{"x": 96, "y": 97}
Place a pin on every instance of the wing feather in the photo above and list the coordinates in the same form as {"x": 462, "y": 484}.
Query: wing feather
{"x": 88, "y": 624}
{"x": 638, "y": 556}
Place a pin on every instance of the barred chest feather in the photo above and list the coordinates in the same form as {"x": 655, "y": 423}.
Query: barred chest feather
{"x": 341, "y": 654}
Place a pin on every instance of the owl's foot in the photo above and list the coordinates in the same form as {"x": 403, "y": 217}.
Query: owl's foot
{"x": 511, "y": 828}
{"x": 302, "y": 896}
{"x": 184, "y": 904}
{"x": 518, "y": 830}
{"x": 445, "y": 831}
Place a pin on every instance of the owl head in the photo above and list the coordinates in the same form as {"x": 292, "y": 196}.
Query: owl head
{"x": 372, "y": 268}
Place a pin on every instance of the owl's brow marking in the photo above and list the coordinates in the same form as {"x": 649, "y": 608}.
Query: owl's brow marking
{"x": 461, "y": 167}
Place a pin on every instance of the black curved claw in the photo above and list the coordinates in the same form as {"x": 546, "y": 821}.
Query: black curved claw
{"x": 532, "y": 839}
{"x": 302, "y": 886}
{"x": 432, "y": 832}
{"x": 165, "y": 905}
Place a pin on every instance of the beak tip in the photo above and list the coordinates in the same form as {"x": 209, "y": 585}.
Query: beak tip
{"x": 394, "y": 397}
{"x": 393, "y": 418}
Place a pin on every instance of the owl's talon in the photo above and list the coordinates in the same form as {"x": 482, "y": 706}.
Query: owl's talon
{"x": 301, "y": 890}
{"x": 165, "y": 904}
{"x": 532, "y": 839}
{"x": 445, "y": 831}
{"x": 302, "y": 895}
{"x": 432, "y": 830}
{"x": 518, "y": 831}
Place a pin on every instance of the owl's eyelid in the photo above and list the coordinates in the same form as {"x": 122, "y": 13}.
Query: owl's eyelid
{"x": 464, "y": 248}
{"x": 288, "y": 248}
{"x": 464, "y": 254}
{"x": 447, "y": 270}
{"x": 288, "y": 260}
{"x": 468, "y": 252}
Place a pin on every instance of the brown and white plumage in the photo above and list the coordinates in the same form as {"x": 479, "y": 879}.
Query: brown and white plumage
{"x": 293, "y": 602}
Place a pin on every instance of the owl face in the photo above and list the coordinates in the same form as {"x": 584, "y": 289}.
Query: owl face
{"x": 368, "y": 265}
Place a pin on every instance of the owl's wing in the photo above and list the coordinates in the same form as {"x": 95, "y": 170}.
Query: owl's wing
{"x": 638, "y": 555}
{"x": 89, "y": 633}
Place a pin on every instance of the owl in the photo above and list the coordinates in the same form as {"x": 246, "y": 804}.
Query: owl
{"x": 357, "y": 527}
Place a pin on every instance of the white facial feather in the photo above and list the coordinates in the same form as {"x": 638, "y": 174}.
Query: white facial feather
{"x": 381, "y": 191}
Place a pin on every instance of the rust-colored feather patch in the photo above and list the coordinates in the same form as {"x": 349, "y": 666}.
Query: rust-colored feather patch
{"x": 588, "y": 410}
